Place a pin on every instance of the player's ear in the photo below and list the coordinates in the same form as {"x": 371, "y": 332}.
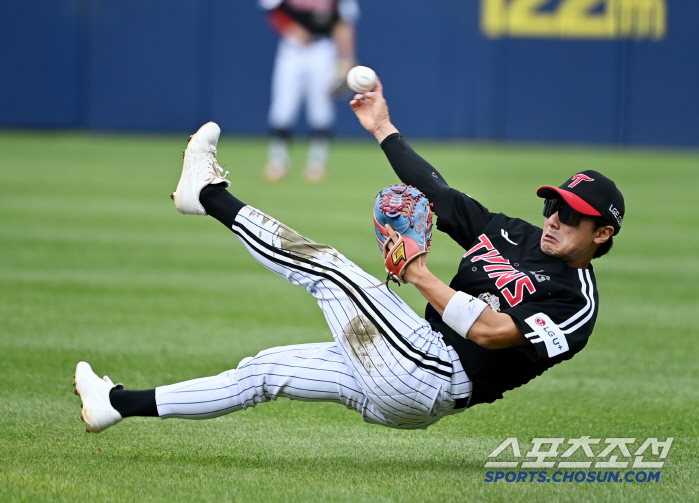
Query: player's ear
{"x": 603, "y": 233}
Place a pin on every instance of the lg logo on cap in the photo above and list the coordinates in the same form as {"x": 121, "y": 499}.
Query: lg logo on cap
{"x": 580, "y": 178}
{"x": 617, "y": 214}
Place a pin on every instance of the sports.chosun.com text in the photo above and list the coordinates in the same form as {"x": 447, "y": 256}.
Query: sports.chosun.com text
{"x": 572, "y": 476}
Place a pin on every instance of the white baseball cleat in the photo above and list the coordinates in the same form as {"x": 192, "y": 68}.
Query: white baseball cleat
{"x": 199, "y": 170}
{"x": 97, "y": 411}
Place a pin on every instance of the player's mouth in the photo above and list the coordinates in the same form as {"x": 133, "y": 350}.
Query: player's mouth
{"x": 549, "y": 238}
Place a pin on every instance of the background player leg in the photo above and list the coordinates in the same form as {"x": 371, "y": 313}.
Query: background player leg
{"x": 318, "y": 150}
{"x": 320, "y": 107}
{"x": 287, "y": 95}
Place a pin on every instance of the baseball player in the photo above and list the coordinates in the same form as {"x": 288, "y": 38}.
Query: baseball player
{"x": 316, "y": 50}
{"x": 523, "y": 299}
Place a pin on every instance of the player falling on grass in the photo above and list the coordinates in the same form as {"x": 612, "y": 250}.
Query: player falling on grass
{"x": 523, "y": 299}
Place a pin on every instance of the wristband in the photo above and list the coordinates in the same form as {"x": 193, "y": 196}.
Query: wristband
{"x": 462, "y": 311}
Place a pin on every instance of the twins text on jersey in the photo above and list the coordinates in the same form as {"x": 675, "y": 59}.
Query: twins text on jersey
{"x": 500, "y": 269}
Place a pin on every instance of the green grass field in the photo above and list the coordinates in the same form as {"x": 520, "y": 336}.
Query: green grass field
{"x": 97, "y": 265}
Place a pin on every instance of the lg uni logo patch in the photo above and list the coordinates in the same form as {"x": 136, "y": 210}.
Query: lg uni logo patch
{"x": 580, "y": 178}
{"x": 549, "y": 333}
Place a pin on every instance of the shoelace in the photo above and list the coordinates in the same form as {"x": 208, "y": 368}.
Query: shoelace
{"x": 219, "y": 169}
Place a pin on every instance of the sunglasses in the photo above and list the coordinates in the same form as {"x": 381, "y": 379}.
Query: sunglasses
{"x": 566, "y": 214}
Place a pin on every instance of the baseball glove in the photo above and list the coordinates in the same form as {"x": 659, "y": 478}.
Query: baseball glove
{"x": 408, "y": 211}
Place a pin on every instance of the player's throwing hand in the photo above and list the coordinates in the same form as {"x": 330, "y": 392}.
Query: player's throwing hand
{"x": 372, "y": 111}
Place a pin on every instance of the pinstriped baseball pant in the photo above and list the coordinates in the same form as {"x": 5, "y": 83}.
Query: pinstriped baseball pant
{"x": 385, "y": 362}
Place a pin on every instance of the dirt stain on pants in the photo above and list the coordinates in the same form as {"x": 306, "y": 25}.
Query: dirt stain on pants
{"x": 363, "y": 338}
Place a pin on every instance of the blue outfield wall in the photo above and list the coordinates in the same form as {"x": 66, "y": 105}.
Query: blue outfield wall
{"x": 542, "y": 70}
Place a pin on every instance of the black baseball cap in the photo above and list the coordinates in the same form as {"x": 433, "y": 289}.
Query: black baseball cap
{"x": 590, "y": 193}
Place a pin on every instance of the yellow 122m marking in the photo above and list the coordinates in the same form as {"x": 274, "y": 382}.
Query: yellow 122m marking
{"x": 586, "y": 19}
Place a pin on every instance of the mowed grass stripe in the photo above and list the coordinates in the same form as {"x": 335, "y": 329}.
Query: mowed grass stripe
{"x": 96, "y": 264}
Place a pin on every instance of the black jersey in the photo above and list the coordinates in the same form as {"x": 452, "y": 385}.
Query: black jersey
{"x": 317, "y": 16}
{"x": 554, "y": 305}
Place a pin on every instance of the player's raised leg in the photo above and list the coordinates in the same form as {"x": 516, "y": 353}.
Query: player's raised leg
{"x": 401, "y": 364}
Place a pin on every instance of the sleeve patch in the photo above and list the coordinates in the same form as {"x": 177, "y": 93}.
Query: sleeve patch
{"x": 549, "y": 333}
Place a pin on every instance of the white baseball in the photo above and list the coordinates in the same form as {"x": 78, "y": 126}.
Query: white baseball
{"x": 361, "y": 79}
